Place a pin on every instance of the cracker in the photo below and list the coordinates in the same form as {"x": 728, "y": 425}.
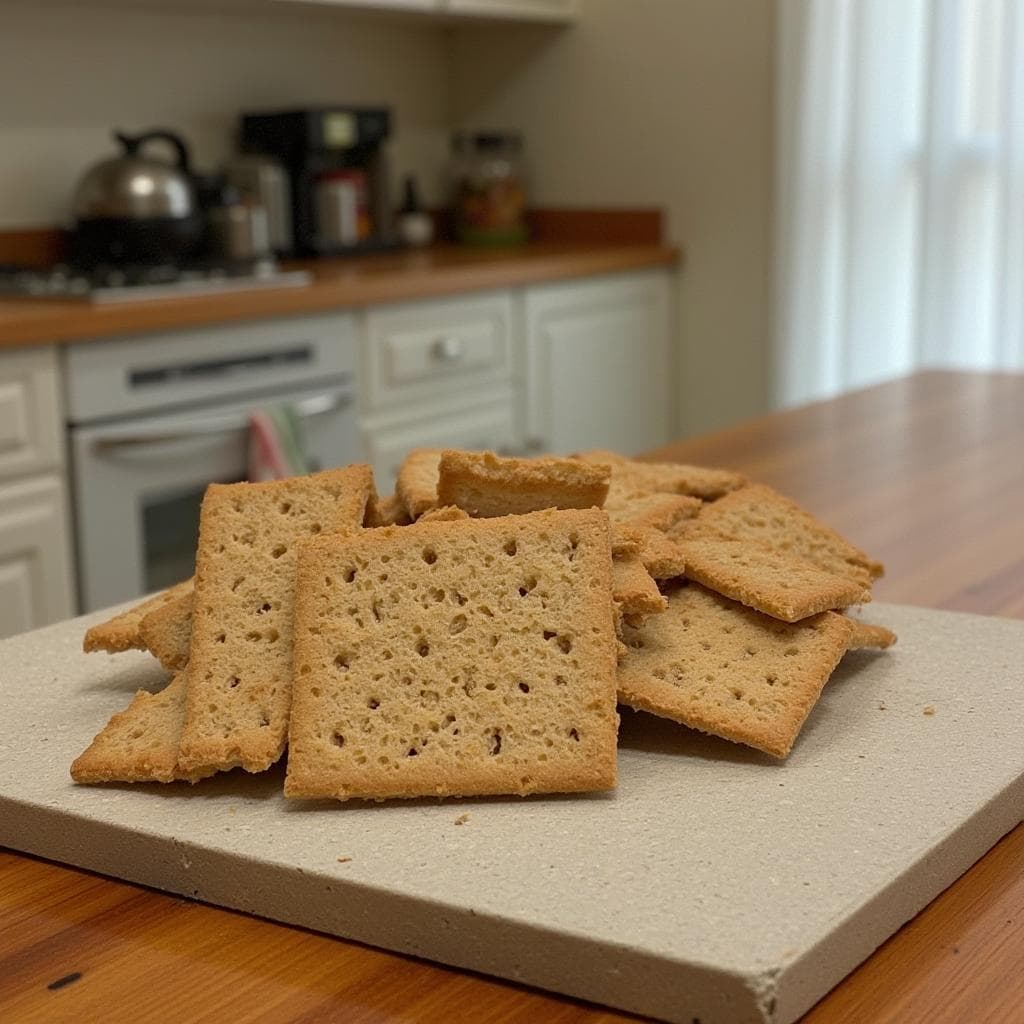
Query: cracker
{"x": 757, "y": 512}
{"x": 774, "y": 582}
{"x": 121, "y": 633}
{"x": 387, "y": 511}
{"x": 667, "y": 477}
{"x": 457, "y": 658}
{"x": 167, "y": 632}
{"x": 240, "y": 667}
{"x": 487, "y": 485}
{"x": 663, "y": 558}
{"x": 650, "y": 510}
{"x": 443, "y": 514}
{"x": 416, "y": 485}
{"x": 716, "y": 666}
{"x": 140, "y": 744}
{"x": 866, "y": 635}
{"x": 633, "y": 589}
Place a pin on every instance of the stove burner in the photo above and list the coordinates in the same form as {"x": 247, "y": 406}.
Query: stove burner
{"x": 131, "y": 282}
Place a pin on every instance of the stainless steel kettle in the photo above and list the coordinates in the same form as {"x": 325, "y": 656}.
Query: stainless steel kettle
{"x": 134, "y": 208}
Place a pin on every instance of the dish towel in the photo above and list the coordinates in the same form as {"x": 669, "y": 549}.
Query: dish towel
{"x": 277, "y": 443}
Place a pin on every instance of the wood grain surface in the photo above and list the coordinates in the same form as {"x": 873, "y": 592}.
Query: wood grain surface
{"x": 926, "y": 473}
{"x": 346, "y": 283}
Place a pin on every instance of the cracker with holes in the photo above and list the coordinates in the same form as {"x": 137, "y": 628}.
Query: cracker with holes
{"x": 140, "y": 744}
{"x": 486, "y": 485}
{"x": 467, "y": 657}
{"x": 121, "y": 633}
{"x": 716, "y": 666}
{"x": 240, "y": 665}
{"x": 777, "y": 583}
{"x": 416, "y": 485}
{"x": 167, "y": 632}
{"x": 632, "y": 476}
{"x": 759, "y": 513}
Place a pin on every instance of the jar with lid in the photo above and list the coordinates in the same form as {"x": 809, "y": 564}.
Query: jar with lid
{"x": 489, "y": 188}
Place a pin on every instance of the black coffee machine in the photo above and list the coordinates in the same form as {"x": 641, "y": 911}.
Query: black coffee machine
{"x": 337, "y": 162}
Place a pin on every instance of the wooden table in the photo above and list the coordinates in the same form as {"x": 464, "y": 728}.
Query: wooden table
{"x": 926, "y": 473}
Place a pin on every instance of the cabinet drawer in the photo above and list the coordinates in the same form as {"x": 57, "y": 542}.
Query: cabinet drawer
{"x": 415, "y": 350}
{"x": 30, "y": 420}
{"x": 491, "y": 426}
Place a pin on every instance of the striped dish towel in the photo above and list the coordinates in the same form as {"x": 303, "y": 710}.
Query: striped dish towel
{"x": 277, "y": 444}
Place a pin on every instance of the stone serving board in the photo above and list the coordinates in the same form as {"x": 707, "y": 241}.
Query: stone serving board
{"x": 714, "y": 884}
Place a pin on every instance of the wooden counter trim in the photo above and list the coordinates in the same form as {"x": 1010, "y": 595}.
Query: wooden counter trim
{"x": 338, "y": 284}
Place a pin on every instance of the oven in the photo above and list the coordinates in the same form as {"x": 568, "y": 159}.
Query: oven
{"x": 153, "y": 420}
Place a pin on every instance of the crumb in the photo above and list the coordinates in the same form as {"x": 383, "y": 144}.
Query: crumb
{"x": 462, "y": 819}
{"x": 344, "y": 860}
{"x": 881, "y": 706}
{"x": 232, "y": 810}
{"x": 929, "y": 710}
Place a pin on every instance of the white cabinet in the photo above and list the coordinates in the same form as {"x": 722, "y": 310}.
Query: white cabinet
{"x": 36, "y": 584}
{"x": 35, "y": 564}
{"x": 599, "y": 363}
{"x": 509, "y": 10}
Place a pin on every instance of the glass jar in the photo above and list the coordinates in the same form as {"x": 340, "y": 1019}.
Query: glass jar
{"x": 489, "y": 187}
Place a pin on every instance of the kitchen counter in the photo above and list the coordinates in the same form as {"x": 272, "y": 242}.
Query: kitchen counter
{"x": 337, "y": 284}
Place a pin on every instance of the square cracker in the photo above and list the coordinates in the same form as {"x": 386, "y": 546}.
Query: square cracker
{"x": 167, "y": 632}
{"x": 121, "y": 633}
{"x": 455, "y": 658}
{"x": 666, "y": 477}
{"x": 416, "y": 485}
{"x": 240, "y": 665}
{"x": 757, "y": 512}
{"x": 777, "y": 583}
{"x": 140, "y": 744}
{"x": 716, "y": 666}
{"x": 485, "y": 484}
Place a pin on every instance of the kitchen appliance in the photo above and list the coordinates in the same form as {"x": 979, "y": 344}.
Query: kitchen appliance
{"x": 265, "y": 181}
{"x": 489, "y": 188}
{"x": 335, "y": 157}
{"x": 237, "y": 228}
{"x": 135, "y": 208}
{"x": 130, "y": 282}
{"x": 152, "y": 421}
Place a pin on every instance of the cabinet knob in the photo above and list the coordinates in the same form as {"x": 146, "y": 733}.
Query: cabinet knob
{"x": 448, "y": 349}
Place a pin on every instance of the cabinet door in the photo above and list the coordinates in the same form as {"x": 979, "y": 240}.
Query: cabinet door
{"x": 31, "y": 429}
{"x": 35, "y": 569}
{"x": 599, "y": 364}
{"x": 477, "y": 428}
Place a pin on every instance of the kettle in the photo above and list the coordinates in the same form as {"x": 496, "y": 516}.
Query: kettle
{"x": 134, "y": 208}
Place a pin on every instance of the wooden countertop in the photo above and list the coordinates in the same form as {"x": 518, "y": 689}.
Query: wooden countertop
{"x": 337, "y": 284}
{"x": 925, "y": 473}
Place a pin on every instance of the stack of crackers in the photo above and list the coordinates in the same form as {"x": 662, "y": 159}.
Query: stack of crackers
{"x": 473, "y": 633}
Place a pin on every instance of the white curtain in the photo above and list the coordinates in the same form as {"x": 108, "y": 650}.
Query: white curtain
{"x": 900, "y": 191}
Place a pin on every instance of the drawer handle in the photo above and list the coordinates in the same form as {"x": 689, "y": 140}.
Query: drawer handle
{"x": 448, "y": 349}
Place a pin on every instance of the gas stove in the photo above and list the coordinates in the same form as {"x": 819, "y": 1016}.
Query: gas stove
{"x": 132, "y": 283}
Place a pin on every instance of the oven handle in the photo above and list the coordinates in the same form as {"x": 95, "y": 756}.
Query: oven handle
{"x": 211, "y": 426}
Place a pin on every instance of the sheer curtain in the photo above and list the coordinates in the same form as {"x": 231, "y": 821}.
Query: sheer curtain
{"x": 900, "y": 195}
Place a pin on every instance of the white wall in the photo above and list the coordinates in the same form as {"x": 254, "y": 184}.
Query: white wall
{"x": 71, "y": 73}
{"x": 663, "y": 103}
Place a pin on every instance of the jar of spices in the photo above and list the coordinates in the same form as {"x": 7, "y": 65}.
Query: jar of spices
{"x": 489, "y": 187}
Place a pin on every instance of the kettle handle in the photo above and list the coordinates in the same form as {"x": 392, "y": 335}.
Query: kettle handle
{"x": 133, "y": 143}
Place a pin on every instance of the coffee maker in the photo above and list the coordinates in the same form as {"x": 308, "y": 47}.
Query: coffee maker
{"x": 337, "y": 163}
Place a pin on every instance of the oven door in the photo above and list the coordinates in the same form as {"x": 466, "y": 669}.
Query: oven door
{"x": 139, "y": 484}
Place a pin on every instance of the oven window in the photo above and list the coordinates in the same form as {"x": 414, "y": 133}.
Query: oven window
{"x": 170, "y": 533}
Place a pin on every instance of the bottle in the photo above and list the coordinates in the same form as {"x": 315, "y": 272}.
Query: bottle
{"x": 490, "y": 190}
{"x": 415, "y": 225}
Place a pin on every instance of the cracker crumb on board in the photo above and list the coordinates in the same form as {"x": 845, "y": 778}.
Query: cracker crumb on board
{"x": 929, "y": 710}
{"x": 344, "y": 860}
{"x": 462, "y": 819}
